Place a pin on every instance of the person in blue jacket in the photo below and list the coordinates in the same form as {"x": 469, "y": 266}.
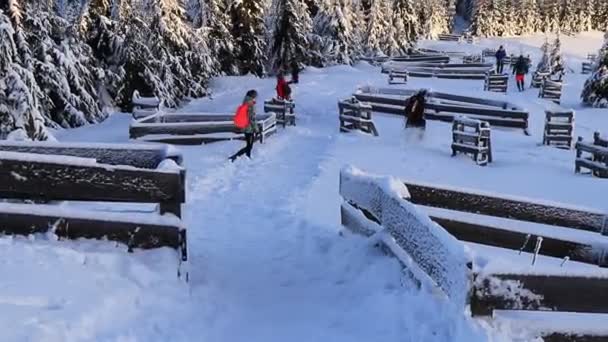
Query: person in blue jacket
{"x": 500, "y": 59}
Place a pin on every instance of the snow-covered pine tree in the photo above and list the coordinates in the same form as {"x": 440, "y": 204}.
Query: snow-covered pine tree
{"x": 600, "y": 15}
{"x": 20, "y": 117}
{"x": 545, "y": 62}
{"x": 292, "y": 28}
{"x": 568, "y": 17}
{"x": 248, "y": 30}
{"x": 377, "y": 27}
{"x": 358, "y": 29}
{"x": 218, "y": 25}
{"x": 552, "y": 16}
{"x": 333, "y": 27}
{"x": 406, "y": 26}
{"x": 485, "y": 23}
{"x": 439, "y": 20}
{"x": 507, "y": 20}
{"x": 595, "y": 91}
{"x": 584, "y": 12}
{"x": 528, "y": 21}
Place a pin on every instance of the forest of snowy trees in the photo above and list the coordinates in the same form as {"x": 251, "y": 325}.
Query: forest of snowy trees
{"x": 595, "y": 91}
{"x": 63, "y": 61}
{"x": 515, "y": 17}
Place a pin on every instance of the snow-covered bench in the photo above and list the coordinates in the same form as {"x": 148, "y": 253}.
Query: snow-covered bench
{"x": 195, "y": 128}
{"x": 284, "y": 111}
{"x": 444, "y": 106}
{"x": 586, "y": 67}
{"x": 496, "y": 82}
{"x": 144, "y": 106}
{"x": 42, "y": 172}
{"x": 469, "y": 59}
{"x": 592, "y": 156}
{"x": 376, "y": 60}
{"x": 559, "y": 126}
{"x": 551, "y": 90}
{"x": 355, "y": 115}
{"x": 472, "y": 137}
{"x": 394, "y": 75}
{"x": 449, "y": 37}
{"x": 538, "y": 77}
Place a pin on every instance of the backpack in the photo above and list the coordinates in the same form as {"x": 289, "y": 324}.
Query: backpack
{"x": 241, "y": 118}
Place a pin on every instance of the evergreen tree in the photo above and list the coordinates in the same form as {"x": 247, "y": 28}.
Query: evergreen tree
{"x": 218, "y": 25}
{"x": 377, "y": 27}
{"x": 552, "y": 17}
{"x": 406, "y": 26}
{"x": 595, "y": 91}
{"x": 333, "y": 27}
{"x": 292, "y": 28}
{"x": 529, "y": 20}
{"x": 19, "y": 111}
{"x": 568, "y": 18}
{"x": 556, "y": 58}
{"x": 248, "y": 30}
{"x": 545, "y": 63}
{"x": 439, "y": 20}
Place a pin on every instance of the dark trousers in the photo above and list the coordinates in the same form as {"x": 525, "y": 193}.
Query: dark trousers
{"x": 500, "y": 65}
{"x": 245, "y": 150}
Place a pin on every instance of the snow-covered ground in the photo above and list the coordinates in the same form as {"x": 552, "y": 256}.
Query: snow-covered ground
{"x": 266, "y": 260}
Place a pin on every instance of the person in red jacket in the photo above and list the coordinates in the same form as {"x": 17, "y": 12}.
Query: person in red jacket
{"x": 283, "y": 89}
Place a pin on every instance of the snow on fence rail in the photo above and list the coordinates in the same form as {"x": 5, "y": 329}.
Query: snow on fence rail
{"x": 375, "y": 203}
{"x": 511, "y": 207}
{"x": 592, "y": 156}
{"x": 472, "y": 137}
{"x": 108, "y": 173}
{"x": 144, "y": 106}
{"x": 195, "y": 128}
{"x": 444, "y": 107}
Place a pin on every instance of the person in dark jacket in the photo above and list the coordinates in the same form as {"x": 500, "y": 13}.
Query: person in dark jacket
{"x": 251, "y": 128}
{"x": 520, "y": 69}
{"x": 500, "y": 59}
{"x": 295, "y": 72}
{"x": 414, "y": 110}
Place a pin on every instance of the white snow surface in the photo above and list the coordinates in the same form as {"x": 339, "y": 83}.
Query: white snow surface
{"x": 267, "y": 262}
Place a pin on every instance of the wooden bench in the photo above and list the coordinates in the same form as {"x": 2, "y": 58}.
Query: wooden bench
{"x": 468, "y": 59}
{"x": 355, "y": 115}
{"x": 196, "y": 128}
{"x": 444, "y": 106}
{"x": 144, "y": 106}
{"x": 586, "y": 67}
{"x": 284, "y": 111}
{"x": 592, "y": 156}
{"x": 559, "y": 127}
{"x": 488, "y": 52}
{"x": 538, "y": 77}
{"x": 472, "y": 137}
{"x": 395, "y": 76}
{"x": 551, "y": 90}
{"x": 449, "y": 37}
{"x": 94, "y": 173}
{"x": 496, "y": 82}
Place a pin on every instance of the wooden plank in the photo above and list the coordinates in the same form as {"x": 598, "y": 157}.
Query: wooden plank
{"x": 124, "y": 229}
{"x": 511, "y": 207}
{"x": 140, "y": 156}
{"x": 50, "y": 180}
{"x": 514, "y": 239}
{"x": 538, "y": 292}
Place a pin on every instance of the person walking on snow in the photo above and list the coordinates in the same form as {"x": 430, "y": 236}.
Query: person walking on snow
{"x": 414, "y": 110}
{"x": 519, "y": 70}
{"x": 283, "y": 89}
{"x": 500, "y": 59}
{"x": 251, "y": 128}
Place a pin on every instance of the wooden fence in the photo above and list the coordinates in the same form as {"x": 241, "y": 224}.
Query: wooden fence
{"x": 496, "y": 82}
{"x": 444, "y": 107}
{"x": 355, "y": 115}
{"x": 472, "y": 137}
{"x": 144, "y": 106}
{"x": 551, "y": 90}
{"x": 283, "y": 109}
{"x": 592, "y": 156}
{"x": 195, "y": 128}
{"x": 559, "y": 127}
{"x": 94, "y": 173}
